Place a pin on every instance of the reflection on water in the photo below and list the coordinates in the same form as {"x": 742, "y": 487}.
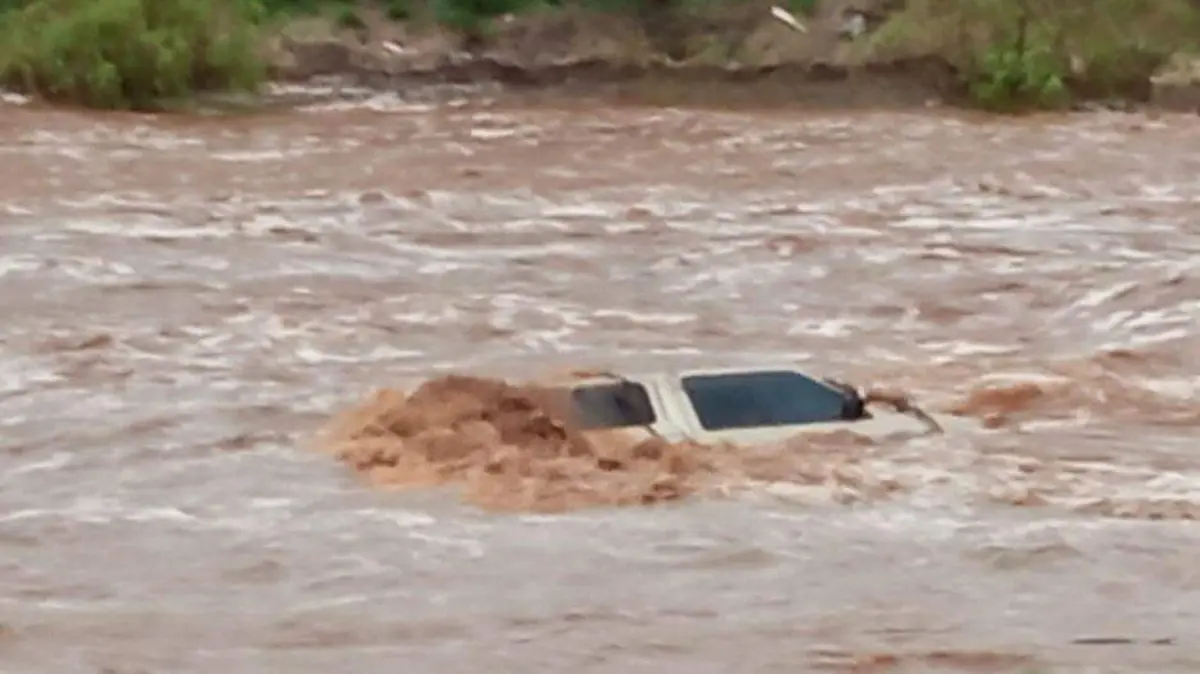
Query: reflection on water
{"x": 188, "y": 300}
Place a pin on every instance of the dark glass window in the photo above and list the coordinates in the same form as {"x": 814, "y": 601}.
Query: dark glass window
{"x": 613, "y": 405}
{"x": 773, "y": 398}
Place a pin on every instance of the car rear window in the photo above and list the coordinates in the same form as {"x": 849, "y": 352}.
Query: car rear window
{"x": 771, "y": 398}
{"x": 615, "y": 405}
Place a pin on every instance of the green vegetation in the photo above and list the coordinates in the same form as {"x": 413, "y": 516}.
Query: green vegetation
{"x": 1009, "y": 54}
{"x": 129, "y": 53}
{"x": 396, "y": 10}
{"x": 1023, "y": 54}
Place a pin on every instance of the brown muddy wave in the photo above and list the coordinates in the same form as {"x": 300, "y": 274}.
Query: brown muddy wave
{"x": 513, "y": 447}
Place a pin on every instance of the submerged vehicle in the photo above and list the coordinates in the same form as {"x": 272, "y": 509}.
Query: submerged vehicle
{"x": 738, "y": 405}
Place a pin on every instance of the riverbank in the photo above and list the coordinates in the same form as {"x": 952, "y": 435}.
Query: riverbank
{"x": 750, "y": 58}
{"x": 828, "y": 53}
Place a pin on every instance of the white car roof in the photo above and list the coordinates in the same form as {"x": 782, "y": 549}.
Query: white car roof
{"x": 586, "y": 377}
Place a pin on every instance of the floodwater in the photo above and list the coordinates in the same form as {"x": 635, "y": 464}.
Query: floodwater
{"x": 187, "y": 300}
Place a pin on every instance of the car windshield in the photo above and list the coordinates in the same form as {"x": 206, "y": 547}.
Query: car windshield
{"x": 771, "y": 398}
{"x": 615, "y": 405}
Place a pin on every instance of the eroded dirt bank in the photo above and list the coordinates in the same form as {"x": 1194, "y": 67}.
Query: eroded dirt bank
{"x": 739, "y": 57}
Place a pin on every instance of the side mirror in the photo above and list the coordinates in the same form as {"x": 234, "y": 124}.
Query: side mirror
{"x": 853, "y": 405}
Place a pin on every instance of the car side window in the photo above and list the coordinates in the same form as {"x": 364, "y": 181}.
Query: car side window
{"x": 771, "y": 398}
{"x": 616, "y": 405}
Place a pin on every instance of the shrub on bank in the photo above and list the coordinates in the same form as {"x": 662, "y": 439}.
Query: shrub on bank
{"x": 1036, "y": 53}
{"x": 129, "y": 54}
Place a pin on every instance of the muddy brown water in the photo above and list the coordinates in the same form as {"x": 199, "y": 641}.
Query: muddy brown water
{"x": 186, "y": 300}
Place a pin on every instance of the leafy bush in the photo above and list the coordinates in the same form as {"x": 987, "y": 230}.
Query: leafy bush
{"x": 130, "y": 54}
{"x": 471, "y": 17}
{"x": 398, "y": 10}
{"x": 1032, "y": 53}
